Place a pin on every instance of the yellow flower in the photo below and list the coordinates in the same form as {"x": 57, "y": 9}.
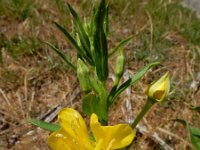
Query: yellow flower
{"x": 159, "y": 89}
{"x": 73, "y": 134}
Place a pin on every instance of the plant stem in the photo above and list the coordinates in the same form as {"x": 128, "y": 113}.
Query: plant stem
{"x": 147, "y": 106}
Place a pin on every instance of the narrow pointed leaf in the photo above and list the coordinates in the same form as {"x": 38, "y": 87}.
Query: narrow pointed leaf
{"x": 84, "y": 39}
{"x": 45, "y": 125}
{"x": 62, "y": 55}
{"x": 72, "y": 40}
{"x": 106, "y": 21}
{"x": 121, "y": 44}
{"x": 131, "y": 81}
{"x": 100, "y": 43}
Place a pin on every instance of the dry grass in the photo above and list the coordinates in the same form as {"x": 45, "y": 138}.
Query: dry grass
{"x": 33, "y": 82}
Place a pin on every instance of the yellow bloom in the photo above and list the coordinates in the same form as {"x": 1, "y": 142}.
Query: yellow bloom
{"x": 160, "y": 89}
{"x": 73, "y": 134}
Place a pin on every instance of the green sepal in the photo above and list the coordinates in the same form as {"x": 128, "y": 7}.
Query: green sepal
{"x": 119, "y": 69}
{"x": 45, "y": 125}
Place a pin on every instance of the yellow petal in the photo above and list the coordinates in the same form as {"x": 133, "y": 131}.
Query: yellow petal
{"x": 113, "y": 137}
{"x": 59, "y": 140}
{"x": 96, "y": 127}
{"x": 99, "y": 145}
{"x": 160, "y": 89}
{"x": 118, "y": 136}
{"x": 74, "y": 125}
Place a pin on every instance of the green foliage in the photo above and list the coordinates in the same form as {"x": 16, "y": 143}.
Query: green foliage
{"x": 19, "y": 46}
{"x": 194, "y": 133}
{"x": 191, "y": 31}
{"x": 100, "y": 52}
{"x": 3, "y": 44}
{"x": 131, "y": 81}
{"x": 45, "y": 125}
{"x": 90, "y": 41}
{"x": 18, "y": 9}
{"x": 195, "y": 137}
{"x": 166, "y": 22}
{"x": 92, "y": 104}
{"x": 81, "y": 53}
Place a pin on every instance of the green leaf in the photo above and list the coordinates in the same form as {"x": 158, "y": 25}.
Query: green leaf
{"x": 121, "y": 44}
{"x": 45, "y": 125}
{"x": 84, "y": 39}
{"x": 100, "y": 43}
{"x": 91, "y": 104}
{"x": 62, "y": 55}
{"x": 196, "y": 108}
{"x": 71, "y": 39}
{"x": 131, "y": 81}
{"x": 106, "y": 21}
{"x": 194, "y": 133}
{"x": 195, "y": 137}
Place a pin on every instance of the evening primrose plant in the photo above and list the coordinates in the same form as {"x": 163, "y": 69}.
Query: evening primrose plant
{"x": 90, "y": 41}
{"x": 89, "y": 37}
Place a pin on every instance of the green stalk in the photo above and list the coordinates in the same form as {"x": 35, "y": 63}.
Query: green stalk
{"x": 147, "y": 106}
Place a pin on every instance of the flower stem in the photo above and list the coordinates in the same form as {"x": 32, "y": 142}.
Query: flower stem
{"x": 147, "y": 106}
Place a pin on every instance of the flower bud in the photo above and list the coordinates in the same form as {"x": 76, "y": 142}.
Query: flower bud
{"x": 159, "y": 89}
{"x": 119, "y": 70}
{"x": 83, "y": 76}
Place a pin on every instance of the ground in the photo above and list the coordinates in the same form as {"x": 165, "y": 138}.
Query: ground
{"x": 34, "y": 80}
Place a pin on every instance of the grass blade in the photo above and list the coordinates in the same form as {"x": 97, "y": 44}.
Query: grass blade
{"x": 62, "y": 55}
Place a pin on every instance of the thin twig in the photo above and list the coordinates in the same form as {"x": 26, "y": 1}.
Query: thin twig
{"x": 6, "y": 99}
